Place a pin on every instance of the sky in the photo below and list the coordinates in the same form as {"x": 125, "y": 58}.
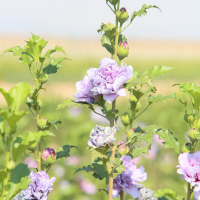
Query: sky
{"x": 80, "y": 19}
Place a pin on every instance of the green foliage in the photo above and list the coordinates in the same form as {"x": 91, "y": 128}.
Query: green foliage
{"x": 56, "y": 49}
{"x": 23, "y": 142}
{"x": 63, "y": 152}
{"x": 166, "y": 194}
{"x": 142, "y": 11}
{"x": 3, "y": 175}
{"x": 19, "y": 180}
{"x": 137, "y": 151}
{"x": 68, "y": 102}
{"x": 96, "y": 154}
{"x": 106, "y": 42}
{"x": 157, "y": 70}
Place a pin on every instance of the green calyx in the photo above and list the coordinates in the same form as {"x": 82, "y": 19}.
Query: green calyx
{"x": 10, "y": 166}
{"x": 109, "y": 30}
{"x": 125, "y": 119}
{"x": 49, "y": 161}
{"x": 133, "y": 99}
{"x": 122, "y": 50}
{"x": 187, "y": 147}
{"x": 113, "y": 2}
{"x": 42, "y": 124}
{"x": 194, "y": 135}
{"x": 122, "y": 15}
{"x": 43, "y": 78}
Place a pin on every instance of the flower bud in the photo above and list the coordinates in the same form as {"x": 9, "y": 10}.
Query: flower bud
{"x": 194, "y": 135}
{"x": 133, "y": 99}
{"x": 110, "y": 30}
{"x": 122, "y": 50}
{"x": 10, "y": 166}
{"x": 42, "y": 124}
{"x": 113, "y": 2}
{"x": 48, "y": 156}
{"x": 122, "y": 15}
{"x": 124, "y": 150}
{"x": 186, "y": 147}
{"x": 34, "y": 105}
{"x": 43, "y": 78}
{"x": 189, "y": 118}
{"x": 126, "y": 119}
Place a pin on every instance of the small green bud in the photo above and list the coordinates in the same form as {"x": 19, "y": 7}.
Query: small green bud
{"x": 122, "y": 50}
{"x": 34, "y": 104}
{"x": 122, "y": 15}
{"x": 42, "y": 124}
{"x": 43, "y": 78}
{"x": 10, "y": 166}
{"x": 186, "y": 147}
{"x": 138, "y": 106}
{"x": 110, "y": 30}
{"x": 194, "y": 135}
{"x": 126, "y": 119}
{"x": 189, "y": 118}
{"x": 113, "y": 2}
{"x": 133, "y": 99}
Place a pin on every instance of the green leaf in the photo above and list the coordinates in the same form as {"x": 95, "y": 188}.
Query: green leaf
{"x": 157, "y": 70}
{"x": 142, "y": 11}
{"x": 23, "y": 142}
{"x": 3, "y": 175}
{"x": 170, "y": 140}
{"x": 122, "y": 38}
{"x": 139, "y": 150}
{"x": 56, "y": 49}
{"x": 19, "y": 93}
{"x": 68, "y": 102}
{"x": 63, "y": 152}
{"x": 35, "y": 46}
{"x": 12, "y": 118}
{"x": 9, "y": 99}
{"x": 17, "y": 51}
{"x": 166, "y": 194}
{"x": 19, "y": 180}
{"x": 87, "y": 169}
{"x": 193, "y": 92}
{"x": 95, "y": 154}
{"x": 2, "y": 127}
{"x": 26, "y": 59}
{"x": 155, "y": 99}
{"x": 54, "y": 65}
{"x": 105, "y": 42}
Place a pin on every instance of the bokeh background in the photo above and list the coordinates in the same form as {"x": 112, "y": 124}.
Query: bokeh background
{"x": 170, "y": 38}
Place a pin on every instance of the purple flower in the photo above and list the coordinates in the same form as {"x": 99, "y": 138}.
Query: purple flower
{"x": 109, "y": 78}
{"x": 48, "y": 152}
{"x": 84, "y": 93}
{"x": 127, "y": 181}
{"x": 189, "y": 167}
{"x": 40, "y": 187}
{"x": 100, "y": 136}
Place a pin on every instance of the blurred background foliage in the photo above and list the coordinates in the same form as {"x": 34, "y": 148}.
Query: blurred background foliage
{"x": 76, "y": 125}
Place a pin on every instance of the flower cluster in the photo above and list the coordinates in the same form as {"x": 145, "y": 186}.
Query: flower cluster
{"x": 107, "y": 80}
{"x": 40, "y": 187}
{"x": 100, "y": 136}
{"x": 189, "y": 168}
{"x": 127, "y": 181}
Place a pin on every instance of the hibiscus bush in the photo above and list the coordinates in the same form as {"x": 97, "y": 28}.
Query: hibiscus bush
{"x": 112, "y": 164}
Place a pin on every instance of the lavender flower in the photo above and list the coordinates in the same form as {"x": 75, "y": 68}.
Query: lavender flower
{"x": 40, "y": 187}
{"x": 84, "y": 93}
{"x": 127, "y": 181}
{"x": 100, "y": 136}
{"x": 109, "y": 78}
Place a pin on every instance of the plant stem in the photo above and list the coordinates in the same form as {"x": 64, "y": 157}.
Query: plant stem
{"x": 188, "y": 192}
{"x": 122, "y": 195}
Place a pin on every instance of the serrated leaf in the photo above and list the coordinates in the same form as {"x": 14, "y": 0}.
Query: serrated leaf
{"x": 139, "y": 150}
{"x": 23, "y": 142}
{"x": 87, "y": 169}
{"x": 170, "y": 140}
{"x": 193, "y": 92}
{"x": 26, "y": 59}
{"x": 17, "y": 51}
{"x": 155, "y": 99}
{"x": 19, "y": 93}
{"x": 142, "y": 11}
{"x": 105, "y": 42}
{"x": 68, "y": 102}
{"x": 157, "y": 70}
{"x": 54, "y": 65}
{"x": 122, "y": 38}
{"x": 19, "y": 180}
{"x": 12, "y": 118}
{"x": 56, "y": 49}
{"x": 63, "y": 152}
{"x": 3, "y": 175}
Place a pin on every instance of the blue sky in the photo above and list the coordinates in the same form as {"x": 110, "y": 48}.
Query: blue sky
{"x": 80, "y": 19}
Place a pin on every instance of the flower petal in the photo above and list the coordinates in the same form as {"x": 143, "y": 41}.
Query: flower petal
{"x": 133, "y": 191}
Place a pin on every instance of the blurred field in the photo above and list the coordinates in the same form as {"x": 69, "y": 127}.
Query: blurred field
{"x": 76, "y": 126}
